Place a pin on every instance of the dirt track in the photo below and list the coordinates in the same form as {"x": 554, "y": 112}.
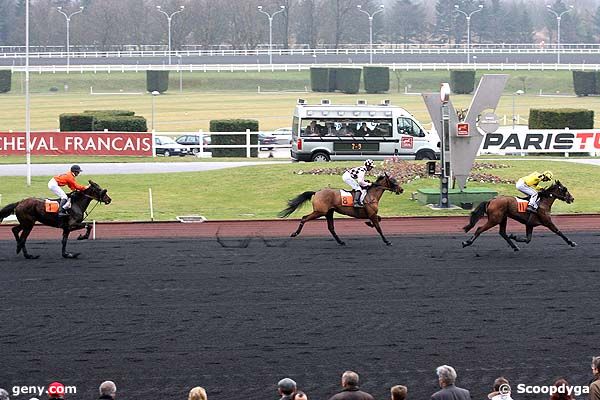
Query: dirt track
{"x": 159, "y": 316}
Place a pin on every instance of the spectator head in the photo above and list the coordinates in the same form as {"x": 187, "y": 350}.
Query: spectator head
{"x": 500, "y": 382}
{"x": 56, "y": 390}
{"x": 286, "y": 386}
{"x": 561, "y": 394}
{"x": 197, "y": 393}
{"x": 3, "y": 394}
{"x": 108, "y": 388}
{"x": 446, "y": 375}
{"x": 398, "y": 392}
{"x": 299, "y": 395}
{"x": 596, "y": 365}
{"x": 349, "y": 379}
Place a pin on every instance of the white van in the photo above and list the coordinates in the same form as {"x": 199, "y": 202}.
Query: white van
{"x": 324, "y": 132}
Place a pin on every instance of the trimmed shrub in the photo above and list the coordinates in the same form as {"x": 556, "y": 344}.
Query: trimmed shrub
{"x": 560, "y": 118}
{"x": 115, "y": 113}
{"x": 319, "y": 79}
{"x": 347, "y": 80}
{"x": 462, "y": 82}
{"x": 157, "y": 80}
{"x": 5, "y": 80}
{"x": 332, "y": 72}
{"x": 584, "y": 83}
{"x": 120, "y": 123}
{"x": 76, "y": 122}
{"x": 377, "y": 79}
{"x": 233, "y": 125}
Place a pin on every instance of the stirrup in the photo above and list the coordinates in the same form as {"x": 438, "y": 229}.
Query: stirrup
{"x": 532, "y": 210}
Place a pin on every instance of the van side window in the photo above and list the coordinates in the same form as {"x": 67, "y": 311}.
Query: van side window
{"x": 407, "y": 126}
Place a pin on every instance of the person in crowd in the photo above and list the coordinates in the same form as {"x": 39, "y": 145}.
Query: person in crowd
{"x": 595, "y": 383}
{"x": 501, "y": 391}
{"x": 350, "y": 388}
{"x": 446, "y": 379}
{"x": 355, "y": 177}
{"x": 286, "y": 388}
{"x": 529, "y": 185}
{"x": 56, "y": 391}
{"x": 108, "y": 390}
{"x": 66, "y": 179}
{"x": 4, "y": 394}
{"x": 197, "y": 393}
{"x": 398, "y": 392}
{"x": 299, "y": 395}
{"x": 561, "y": 393}
{"x": 312, "y": 129}
{"x": 363, "y": 130}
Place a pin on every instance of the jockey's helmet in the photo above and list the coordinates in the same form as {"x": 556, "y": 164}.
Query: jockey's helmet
{"x": 76, "y": 169}
{"x": 547, "y": 175}
{"x": 369, "y": 163}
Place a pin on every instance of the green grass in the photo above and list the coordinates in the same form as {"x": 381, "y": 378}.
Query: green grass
{"x": 261, "y": 191}
{"x": 214, "y": 95}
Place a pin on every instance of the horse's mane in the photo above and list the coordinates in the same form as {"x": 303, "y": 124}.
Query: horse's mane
{"x": 545, "y": 192}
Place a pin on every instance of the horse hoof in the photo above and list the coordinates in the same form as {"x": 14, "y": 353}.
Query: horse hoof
{"x": 465, "y": 244}
{"x": 342, "y": 243}
{"x": 81, "y": 237}
{"x": 573, "y": 244}
{"x": 31, "y": 257}
{"x": 516, "y": 249}
{"x": 388, "y": 243}
{"x": 19, "y": 248}
{"x": 71, "y": 255}
{"x": 294, "y": 234}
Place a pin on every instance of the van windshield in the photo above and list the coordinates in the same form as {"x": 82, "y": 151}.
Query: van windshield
{"x": 339, "y": 127}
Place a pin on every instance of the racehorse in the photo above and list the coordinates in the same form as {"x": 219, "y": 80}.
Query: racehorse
{"x": 32, "y": 210}
{"x": 327, "y": 201}
{"x": 500, "y": 208}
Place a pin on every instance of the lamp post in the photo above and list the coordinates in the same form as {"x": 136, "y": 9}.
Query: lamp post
{"x": 468, "y": 16}
{"x": 68, "y": 18}
{"x": 370, "y": 28}
{"x": 260, "y": 10}
{"x": 154, "y": 94}
{"x": 558, "y": 18}
{"x": 169, "y": 18}
{"x": 517, "y": 93}
{"x": 27, "y": 99}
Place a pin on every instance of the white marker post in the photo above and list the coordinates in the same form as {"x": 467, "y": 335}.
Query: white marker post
{"x": 151, "y": 205}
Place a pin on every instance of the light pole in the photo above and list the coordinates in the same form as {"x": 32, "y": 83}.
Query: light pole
{"x": 468, "y": 16}
{"x": 68, "y": 18}
{"x": 558, "y": 18}
{"x": 169, "y": 18}
{"x": 370, "y": 28}
{"x": 517, "y": 93}
{"x": 260, "y": 9}
{"x": 154, "y": 94}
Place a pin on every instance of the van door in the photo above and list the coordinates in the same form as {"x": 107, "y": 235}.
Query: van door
{"x": 412, "y": 137}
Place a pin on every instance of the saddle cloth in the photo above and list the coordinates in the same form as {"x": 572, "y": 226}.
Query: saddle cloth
{"x": 521, "y": 205}
{"x": 51, "y": 206}
{"x": 347, "y": 198}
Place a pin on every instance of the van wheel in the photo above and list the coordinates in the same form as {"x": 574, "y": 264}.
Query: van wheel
{"x": 167, "y": 153}
{"x": 425, "y": 155}
{"x": 320, "y": 157}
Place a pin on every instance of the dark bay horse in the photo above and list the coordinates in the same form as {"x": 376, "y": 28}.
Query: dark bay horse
{"x": 327, "y": 201}
{"x": 500, "y": 208}
{"x": 31, "y": 210}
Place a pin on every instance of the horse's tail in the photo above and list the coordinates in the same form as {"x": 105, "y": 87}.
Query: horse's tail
{"x": 294, "y": 203}
{"x": 476, "y": 215}
{"x": 8, "y": 210}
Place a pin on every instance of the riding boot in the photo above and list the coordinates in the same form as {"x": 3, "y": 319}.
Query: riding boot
{"x": 357, "y": 203}
{"x": 62, "y": 212}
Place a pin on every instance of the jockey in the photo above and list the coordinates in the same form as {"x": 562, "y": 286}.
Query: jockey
{"x": 67, "y": 179}
{"x": 355, "y": 177}
{"x": 529, "y": 185}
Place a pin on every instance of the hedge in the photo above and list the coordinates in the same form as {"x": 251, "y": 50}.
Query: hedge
{"x": 157, "y": 81}
{"x": 462, "y": 82}
{"x": 319, "y": 79}
{"x": 121, "y": 123}
{"x": 585, "y": 82}
{"x": 115, "y": 113}
{"x": 76, "y": 122}
{"x": 347, "y": 80}
{"x": 561, "y": 118}
{"x": 5, "y": 80}
{"x": 233, "y": 125}
{"x": 376, "y": 79}
{"x": 332, "y": 79}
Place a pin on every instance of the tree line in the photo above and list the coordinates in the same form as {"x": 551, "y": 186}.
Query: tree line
{"x": 105, "y": 24}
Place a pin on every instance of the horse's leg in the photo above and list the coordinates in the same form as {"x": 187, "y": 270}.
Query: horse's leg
{"x": 65, "y": 239}
{"x": 528, "y": 232}
{"x": 491, "y": 222}
{"x": 505, "y": 236}
{"x": 305, "y": 219}
{"x": 375, "y": 221}
{"x": 329, "y": 217}
{"x": 86, "y": 235}
{"x": 550, "y": 225}
{"x": 16, "y": 230}
{"x": 370, "y": 224}
{"x": 26, "y": 231}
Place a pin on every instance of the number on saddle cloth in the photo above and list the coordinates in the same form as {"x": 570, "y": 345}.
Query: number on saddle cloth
{"x": 347, "y": 197}
{"x": 522, "y": 205}
{"x": 51, "y": 206}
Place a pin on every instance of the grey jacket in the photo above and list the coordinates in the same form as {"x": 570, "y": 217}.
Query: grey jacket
{"x": 451, "y": 392}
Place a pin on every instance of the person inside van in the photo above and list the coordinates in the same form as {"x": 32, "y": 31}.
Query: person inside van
{"x": 312, "y": 129}
{"x": 363, "y": 130}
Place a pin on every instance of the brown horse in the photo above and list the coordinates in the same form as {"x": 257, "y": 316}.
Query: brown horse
{"x": 500, "y": 208}
{"x": 327, "y": 201}
{"x": 32, "y": 210}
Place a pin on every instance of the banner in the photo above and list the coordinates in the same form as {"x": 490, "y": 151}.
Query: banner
{"x": 542, "y": 141}
{"x": 78, "y": 143}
